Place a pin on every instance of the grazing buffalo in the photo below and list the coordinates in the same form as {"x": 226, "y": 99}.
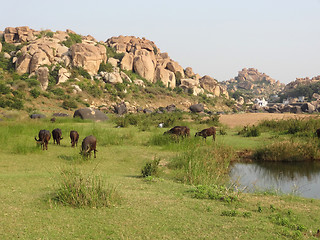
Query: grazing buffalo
{"x": 179, "y": 131}
{"x": 74, "y": 136}
{"x": 89, "y": 144}
{"x": 53, "y": 120}
{"x": 318, "y": 132}
{"x": 207, "y": 132}
{"x": 44, "y": 137}
{"x": 56, "y": 135}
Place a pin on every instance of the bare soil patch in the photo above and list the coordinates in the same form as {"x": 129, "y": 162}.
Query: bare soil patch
{"x": 244, "y": 119}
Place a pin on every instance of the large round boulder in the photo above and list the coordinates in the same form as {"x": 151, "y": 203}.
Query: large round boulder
{"x": 308, "y": 107}
{"x": 91, "y": 114}
{"x": 120, "y": 109}
{"x": 196, "y": 108}
{"x": 36, "y": 116}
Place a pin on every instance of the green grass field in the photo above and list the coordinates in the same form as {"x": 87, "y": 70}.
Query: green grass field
{"x": 162, "y": 207}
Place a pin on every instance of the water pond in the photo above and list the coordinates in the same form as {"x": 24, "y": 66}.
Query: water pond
{"x": 302, "y": 178}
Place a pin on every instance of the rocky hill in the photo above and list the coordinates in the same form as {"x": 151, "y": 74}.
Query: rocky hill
{"x": 300, "y": 82}
{"x": 252, "y": 84}
{"x": 71, "y": 68}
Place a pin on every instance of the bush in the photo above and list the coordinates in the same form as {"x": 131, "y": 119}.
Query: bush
{"x": 202, "y": 165}
{"x": 32, "y": 82}
{"x": 58, "y": 92}
{"x": 72, "y": 39}
{"x": 292, "y": 126}
{"x": 105, "y": 67}
{"x": 111, "y": 53}
{"x": 250, "y": 131}
{"x": 11, "y": 102}
{"x": 94, "y": 90}
{"x": 151, "y": 168}
{"x": 5, "y": 64}
{"x": 80, "y": 71}
{"x": 287, "y": 151}
{"x": 4, "y": 89}
{"x": 79, "y": 190}
{"x": 35, "y": 93}
{"x": 69, "y": 104}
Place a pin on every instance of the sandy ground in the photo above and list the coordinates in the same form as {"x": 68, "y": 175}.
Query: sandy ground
{"x": 234, "y": 120}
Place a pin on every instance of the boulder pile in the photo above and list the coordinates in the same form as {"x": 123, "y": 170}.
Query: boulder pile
{"x": 41, "y": 49}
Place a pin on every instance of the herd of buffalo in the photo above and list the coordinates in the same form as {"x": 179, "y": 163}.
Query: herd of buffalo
{"x": 89, "y": 143}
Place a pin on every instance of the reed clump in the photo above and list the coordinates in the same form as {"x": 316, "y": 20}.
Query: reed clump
{"x": 287, "y": 151}
{"x": 80, "y": 190}
{"x": 203, "y": 165}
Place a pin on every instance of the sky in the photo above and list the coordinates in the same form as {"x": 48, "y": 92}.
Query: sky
{"x": 217, "y": 38}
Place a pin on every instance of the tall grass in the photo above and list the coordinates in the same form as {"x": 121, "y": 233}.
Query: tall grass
{"x": 80, "y": 190}
{"x": 175, "y": 143}
{"x": 203, "y": 165}
{"x": 296, "y": 126}
{"x": 287, "y": 151}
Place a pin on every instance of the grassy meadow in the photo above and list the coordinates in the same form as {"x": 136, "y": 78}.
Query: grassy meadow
{"x": 56, "y": 194}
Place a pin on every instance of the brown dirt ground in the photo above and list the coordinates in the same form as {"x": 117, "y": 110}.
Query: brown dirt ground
{"x": 234, "y": 120}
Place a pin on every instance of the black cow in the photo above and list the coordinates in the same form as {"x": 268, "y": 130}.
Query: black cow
{"x": 89, "y": 144}
{"x": 44, "y": 137}
{"x": 207, "y": 132}
{"x": 179, "y": 131}
{"x": 74, "y": 136}
{"x": 57, "y": 135}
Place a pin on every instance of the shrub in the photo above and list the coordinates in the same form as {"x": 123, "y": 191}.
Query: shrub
{"x": 4, "y": 89}
{"x": 111, "y": 53}
{"x": 94, "y": 90}
{"x": 11, "y": 102}
{"x": 69, "y": 104}
{"x": 250, "y": 131}
{"x": 80, "y": 71}
{"x": 105, "y": 67}
{"x": 32, "y": 82}
{"x": 287, "y": 151}
{"x": 151, "y": 168}
{"x": 58, "y": 92}
{"x": 202, "y": 165}
{"x": 79, "y": 190}
{"x": 35, "y": 93}
{"x": 72, "y": 39}
{"x": 5, "y": 64}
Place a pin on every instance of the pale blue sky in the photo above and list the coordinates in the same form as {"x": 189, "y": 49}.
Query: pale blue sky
{"x": 218, "y": 38}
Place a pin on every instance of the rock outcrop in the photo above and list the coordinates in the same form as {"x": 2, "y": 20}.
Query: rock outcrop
{"x": 88, "y": 56}
{"x": 301, "y": 81}
{"x": 41, "y": 51}
{"x": 144, "y": 57}
{"x": 251, "y": 80}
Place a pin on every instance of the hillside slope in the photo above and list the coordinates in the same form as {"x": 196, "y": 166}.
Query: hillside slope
{"x": 51, "y": 71}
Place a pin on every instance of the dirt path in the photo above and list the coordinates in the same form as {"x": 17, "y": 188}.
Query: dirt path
{"x": 234, "y": 120}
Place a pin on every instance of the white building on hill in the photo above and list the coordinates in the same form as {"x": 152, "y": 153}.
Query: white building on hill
{"x": 262, "y": 102}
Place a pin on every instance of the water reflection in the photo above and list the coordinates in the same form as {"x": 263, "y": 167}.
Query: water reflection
{"x": 302, "y": 177}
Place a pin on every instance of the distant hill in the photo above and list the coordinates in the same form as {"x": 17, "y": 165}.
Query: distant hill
{"x": 306, "y": 87}
{"x": 251, "y": 84}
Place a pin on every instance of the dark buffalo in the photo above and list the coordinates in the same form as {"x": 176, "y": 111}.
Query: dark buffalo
{"x": 89, "y": 144}
{"x": 53, "y": 120}
{"x": 179, "y": 131}
{"x": 44, "y": 137}
{"x": 207, "y": 132}
{"x": 74, "y": 136}
{"x": 56, "y": 135}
